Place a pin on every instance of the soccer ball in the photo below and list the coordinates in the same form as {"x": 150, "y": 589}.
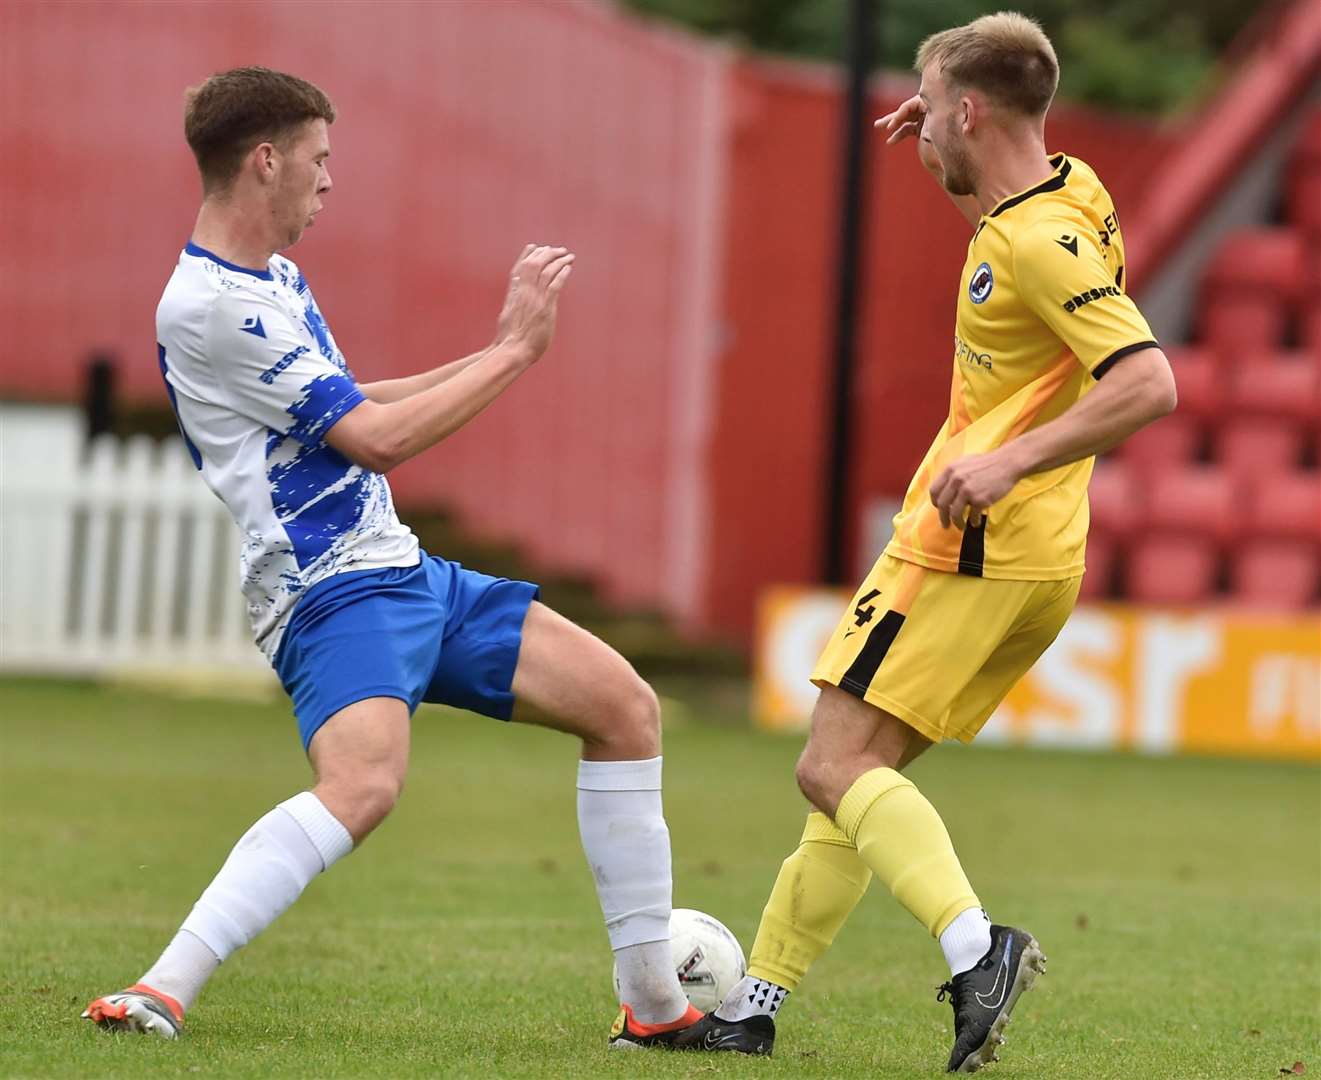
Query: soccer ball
{"x": 707, "y": 957}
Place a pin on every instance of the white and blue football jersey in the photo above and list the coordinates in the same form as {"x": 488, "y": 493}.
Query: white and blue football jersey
{"x": 256, "y": 381}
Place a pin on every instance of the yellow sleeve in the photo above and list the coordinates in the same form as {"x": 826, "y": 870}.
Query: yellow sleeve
{"x": 1063, "y": 276}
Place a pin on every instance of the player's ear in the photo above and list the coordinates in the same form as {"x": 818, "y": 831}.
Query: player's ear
{"x": 968, "y": 114}
{"x": 265, "y": 157}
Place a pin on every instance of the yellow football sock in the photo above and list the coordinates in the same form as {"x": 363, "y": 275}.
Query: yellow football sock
{"x": 818, "y": 886}
{"x": 900, "y": 836}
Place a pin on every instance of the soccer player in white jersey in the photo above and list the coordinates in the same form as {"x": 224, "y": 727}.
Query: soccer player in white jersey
{"x": 358, "y": 622}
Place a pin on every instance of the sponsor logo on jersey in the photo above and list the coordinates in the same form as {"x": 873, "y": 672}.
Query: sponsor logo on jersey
{"x": 965, "y": 353}
{"x": 273, "y": 372}
{"x": 1069, "y": 244}
{"x": 252, "y": 325}
{"x": 980, "y": 284}
{"x": 1091, "y": 295}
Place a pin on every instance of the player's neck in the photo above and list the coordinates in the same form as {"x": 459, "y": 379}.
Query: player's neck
{"x": 232, "y": 234}
{"x": 1011, "y": 167}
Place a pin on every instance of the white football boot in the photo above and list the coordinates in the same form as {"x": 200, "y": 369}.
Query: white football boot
{"x": 140, "y": 1009}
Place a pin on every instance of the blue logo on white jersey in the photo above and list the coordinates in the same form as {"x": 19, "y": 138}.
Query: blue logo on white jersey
{"x": 981, "y": 283}
{"x": 252, "y": 325}
{"x": 273, "y": 372}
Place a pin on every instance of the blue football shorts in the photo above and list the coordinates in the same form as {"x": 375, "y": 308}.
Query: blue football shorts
{"x": 432, "y": 632}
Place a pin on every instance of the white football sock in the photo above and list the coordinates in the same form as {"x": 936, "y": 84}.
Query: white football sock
{"x": 268, "y": 869}
{"x": 966, "y": 940}
{"x": 752, "y": 997}
{"x": 627, "y": 844}
{"x": 183, "y": 969}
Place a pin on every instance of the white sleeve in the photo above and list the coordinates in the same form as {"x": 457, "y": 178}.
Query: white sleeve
{"x": 272, "y": 372}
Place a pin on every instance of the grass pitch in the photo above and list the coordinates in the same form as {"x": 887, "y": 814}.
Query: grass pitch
{"x": 1179, "y": 902}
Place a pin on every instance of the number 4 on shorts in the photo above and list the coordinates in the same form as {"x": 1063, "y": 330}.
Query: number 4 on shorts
{"x": 866, "y": 611}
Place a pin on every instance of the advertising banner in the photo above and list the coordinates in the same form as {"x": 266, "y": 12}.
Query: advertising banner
{"x": 1210, "y": 680}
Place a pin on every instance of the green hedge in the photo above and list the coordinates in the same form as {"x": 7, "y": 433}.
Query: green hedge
{"x": 1137, "y": 55}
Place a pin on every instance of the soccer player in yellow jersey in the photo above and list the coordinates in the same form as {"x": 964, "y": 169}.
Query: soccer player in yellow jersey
{"x": 1053, "y": 364}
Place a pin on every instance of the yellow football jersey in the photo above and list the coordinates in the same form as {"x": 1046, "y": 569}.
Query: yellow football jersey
{"x": 1042, "y": 315}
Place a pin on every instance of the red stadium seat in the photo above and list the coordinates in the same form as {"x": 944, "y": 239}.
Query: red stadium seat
{"x": 1250, "y": 447}
{"x": 1287, "y": 386}
{"x": 1303, "y": 187}
{"x": 1232, "y": 322}
{"x": 1197, "y": 502}
{"x": 1304, "y": 197}
{"x": 1286, "y": 506}
{"x": 1171, "y": 570}
{"x": 1311, "y": 328}
{"x": 1250, "y": 288}
{"x": 1312, "y": 272}
{"x": 1172, "y": 440}
{"x": 1096, "y": 582}
{"x": 1200, "y": 378}
{"x": 1277, "y": 574}
{"x": 1116, "y": 502}
{"x": 1259, "y": 258}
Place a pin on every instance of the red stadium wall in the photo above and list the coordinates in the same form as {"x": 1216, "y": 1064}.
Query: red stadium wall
{"x": 465, "y": 130}
{"x": 670, "y": 443}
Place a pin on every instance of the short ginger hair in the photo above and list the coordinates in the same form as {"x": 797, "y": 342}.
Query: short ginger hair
{"x": 233, "y": 111}
{"x": 1006, "y": 56}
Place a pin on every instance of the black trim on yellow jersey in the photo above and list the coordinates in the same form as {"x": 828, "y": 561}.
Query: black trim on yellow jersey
{"x": 972, "y": 552}
{"x": 1119, "y": 354}
{"x": 862, "y": 671}
{"x": 1053, "y": 184}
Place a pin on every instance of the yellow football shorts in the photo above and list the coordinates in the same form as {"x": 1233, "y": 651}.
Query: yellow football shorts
{"x": 940, "y": 650}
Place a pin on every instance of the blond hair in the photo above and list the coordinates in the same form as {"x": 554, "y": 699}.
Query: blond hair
{"x": 1006, "y": 56}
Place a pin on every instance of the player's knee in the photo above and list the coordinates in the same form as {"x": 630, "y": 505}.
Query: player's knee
{"x": 380, "y": 792}
{"x": 805, "y": 774}
{"x": 364, "y": 800}
{"x": 377, "y": 796}
{"x": 635, "y": 733}
{"x": 812, "y": 774}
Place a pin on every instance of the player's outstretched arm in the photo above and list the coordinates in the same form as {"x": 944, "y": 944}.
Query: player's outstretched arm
{"x": 385, "y": 391}
{"x": 906, "y": 122}
{"x": 380, "y": 436}
{"x": 1136, "y": 390}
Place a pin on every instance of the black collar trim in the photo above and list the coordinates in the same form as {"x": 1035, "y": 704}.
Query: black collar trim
{"x": 1053, "y": 184}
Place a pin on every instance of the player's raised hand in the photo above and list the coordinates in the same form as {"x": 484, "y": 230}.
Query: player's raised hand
{"x": 502, "y": 324}
{"x": 527, "y": 318}
{"x": 904, "y": 122}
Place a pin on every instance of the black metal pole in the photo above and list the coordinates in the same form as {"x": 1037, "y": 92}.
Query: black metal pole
{"x": 852, "y": 223}
{"x": 99, "y": 402}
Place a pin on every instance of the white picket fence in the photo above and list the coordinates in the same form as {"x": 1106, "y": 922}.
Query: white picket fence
{"x": 114, "y": 556}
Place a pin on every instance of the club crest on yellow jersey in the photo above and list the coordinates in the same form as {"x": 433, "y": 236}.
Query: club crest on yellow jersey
{"x": 981, "y": 283}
